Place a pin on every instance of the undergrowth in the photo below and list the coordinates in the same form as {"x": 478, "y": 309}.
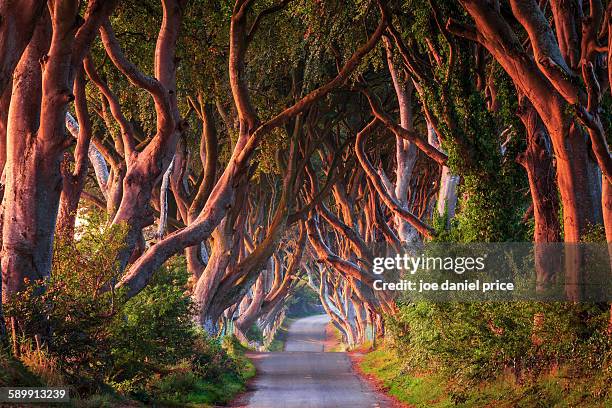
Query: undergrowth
{"x": 71, "y": 330}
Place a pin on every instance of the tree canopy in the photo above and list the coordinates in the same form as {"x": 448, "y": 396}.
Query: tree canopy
{"x": 270, "y": 146}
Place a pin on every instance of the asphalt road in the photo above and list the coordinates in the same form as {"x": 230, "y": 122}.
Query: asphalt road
{"x": 304, "y": 376}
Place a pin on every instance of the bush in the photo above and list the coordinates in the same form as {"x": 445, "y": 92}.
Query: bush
{"x": 154, "y": 328}
{"x": 69, "y": 314}
{"x": 75, "y": 329}
{"x": 471, "y": 343}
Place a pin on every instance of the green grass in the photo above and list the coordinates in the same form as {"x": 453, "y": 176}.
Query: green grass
{"x": 278, "y": 343}
{"x": 433, "y": 390}
{"x": 340, "y": 346}
{"x": 185, "y": 389}
{"x": 418, "y": 391}
{"x": 14, "y": 373}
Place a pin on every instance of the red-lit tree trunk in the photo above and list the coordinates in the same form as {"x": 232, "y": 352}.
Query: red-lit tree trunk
{"x": 282, "y": 285}
{"x": 196, "y": 262}
{"x": 544, "y": 80}
{"x": 249, "y": 316}
{"x": 222, "y": 255}
{"x": 146, "y": 167}
{"x": 19, "y": 235}
{"x": 36, "y": 138}
{"x": 34, "y": 125}
{"x": 538, "y": 163}
{"x": 19, "y": 20}
{"x": 35, "y": 144}
{"x": 74, "y": 180}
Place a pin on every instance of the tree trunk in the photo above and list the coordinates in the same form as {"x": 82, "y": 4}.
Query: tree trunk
{"x": 19, "y": 19}
{"x": 249, "y": 316}
{"x": 537, "y": 161}
{"x": 33, "y": 180}
{"x": 447, "y": 194}
{"x": 405, "y": 151}
{"x": 546, "y": 92}
{"x": 223, "y": 194}
{"x": 546, "y": 82}
{"x": 73, "y": 181}
{"x": 19, "y": 22}
{"x": 196, "y": 255}
{"x": 209, "y": 281}
{"x": 145, "y": 168}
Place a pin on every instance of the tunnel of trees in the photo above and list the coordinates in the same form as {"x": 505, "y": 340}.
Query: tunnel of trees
{"x": 194, "y": 166}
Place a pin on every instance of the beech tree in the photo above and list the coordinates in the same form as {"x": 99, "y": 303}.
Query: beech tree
{"x": 42, "y": 82}
{"x": 275, "y": 143}
{"x": 544, "y": 78}
{"x": 251, "y": 132}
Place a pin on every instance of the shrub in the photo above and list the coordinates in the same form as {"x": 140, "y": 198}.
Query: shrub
{"x": 154, "y": 328}
{"x": 76, "y": 329}
{"x": 71, "y": 311}
{"x": 471, "y": 343}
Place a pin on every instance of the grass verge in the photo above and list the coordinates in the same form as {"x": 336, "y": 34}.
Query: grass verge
{"x": 429, "y": 389}
{"x": 179, "y": 386}
{"x": 336, "y": 342}
{"x": 278, "y": 343}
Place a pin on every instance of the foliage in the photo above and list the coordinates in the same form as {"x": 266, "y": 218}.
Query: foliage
{"x": 430, "y": 389}
{"x": 469, "y": 131}
{"x": 154, "y": 328}
{"x": 594, "y": 233}
{"x": 145, "y": 348}
{"x": 212, "y": 375}
{"x": 254, "y": 333}
{"x": 76, "y": 328}
{"x": 304, "y": 302}
{"x": 73, "y": 305}
{"x": 489, "y": 180}
{"x": 468, "y": 344}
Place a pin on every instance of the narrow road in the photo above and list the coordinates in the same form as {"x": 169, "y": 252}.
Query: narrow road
{"x": 305, "y": 376}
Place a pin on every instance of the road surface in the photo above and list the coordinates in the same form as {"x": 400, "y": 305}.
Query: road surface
{"x": 305, "y": 376}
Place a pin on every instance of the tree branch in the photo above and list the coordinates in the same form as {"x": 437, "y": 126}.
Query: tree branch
{"x": 399, "y": 131}
{"x": 266, "y": 12}
{"x": 127, "y": 132}
{"x": 380, "y": 189}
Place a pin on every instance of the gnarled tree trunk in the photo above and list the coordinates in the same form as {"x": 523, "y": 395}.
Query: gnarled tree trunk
{"x": 538, "y": 163}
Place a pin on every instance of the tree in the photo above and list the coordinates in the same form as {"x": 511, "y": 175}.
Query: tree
{"x": 35, "y": 137}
